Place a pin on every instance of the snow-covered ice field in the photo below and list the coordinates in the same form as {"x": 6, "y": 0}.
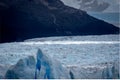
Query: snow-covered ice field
{"x": 79, "y": 38}
{"x": 71, "y": 55}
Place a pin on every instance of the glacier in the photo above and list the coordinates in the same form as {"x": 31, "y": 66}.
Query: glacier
{"x": 56, "y": 61}
{"x": 41, "y": 67}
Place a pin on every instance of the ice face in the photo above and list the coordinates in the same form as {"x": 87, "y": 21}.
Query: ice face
{"x": 41, "y": 67}
{"x": 50, "y": 61}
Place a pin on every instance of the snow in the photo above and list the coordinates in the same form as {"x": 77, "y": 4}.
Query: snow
{"x": 78, "y": 38}
{"x": 83, "y": 60}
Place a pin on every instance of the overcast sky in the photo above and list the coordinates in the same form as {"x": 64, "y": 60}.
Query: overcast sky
{"x": 95, "y": 5}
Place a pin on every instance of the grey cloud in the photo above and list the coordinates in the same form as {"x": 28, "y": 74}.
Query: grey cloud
{"x": 93, "y": 5}
{"x": 98, "y": 6}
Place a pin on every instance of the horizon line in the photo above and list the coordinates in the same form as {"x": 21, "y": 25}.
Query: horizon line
{"x": 69, "y": 42}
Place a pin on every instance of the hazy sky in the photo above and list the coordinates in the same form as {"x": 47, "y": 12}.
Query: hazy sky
{"x": 95, "y": 5}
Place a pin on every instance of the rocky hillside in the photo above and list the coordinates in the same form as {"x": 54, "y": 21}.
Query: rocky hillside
{"x": 24, "y": 19}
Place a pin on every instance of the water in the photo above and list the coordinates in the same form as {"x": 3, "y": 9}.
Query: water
{"x": 112, "y": 18}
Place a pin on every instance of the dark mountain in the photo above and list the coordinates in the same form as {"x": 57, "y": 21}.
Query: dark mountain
{"x": 23, "y": 19}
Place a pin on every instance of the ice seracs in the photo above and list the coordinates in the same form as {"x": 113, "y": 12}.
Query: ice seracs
{"x": 41, "y": 67}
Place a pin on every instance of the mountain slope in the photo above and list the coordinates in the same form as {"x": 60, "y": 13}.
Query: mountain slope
{"x": 23, "y": 19}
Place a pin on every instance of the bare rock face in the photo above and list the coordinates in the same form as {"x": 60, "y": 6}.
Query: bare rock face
{"x": 25, "y": 19}
{"x": 40, "y": 68}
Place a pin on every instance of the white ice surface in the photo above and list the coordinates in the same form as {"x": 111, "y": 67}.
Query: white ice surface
{"x": 84, "y": 60}
{"x": 82, "y": 54}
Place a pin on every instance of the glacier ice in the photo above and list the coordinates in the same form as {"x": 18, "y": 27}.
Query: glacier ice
{"x": 25, "y": 61}
{"x": 41, "y": 67}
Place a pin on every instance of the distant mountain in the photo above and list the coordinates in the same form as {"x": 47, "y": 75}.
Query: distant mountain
{"x": 111, "y": 6}
{"x": 24, "y": 19}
